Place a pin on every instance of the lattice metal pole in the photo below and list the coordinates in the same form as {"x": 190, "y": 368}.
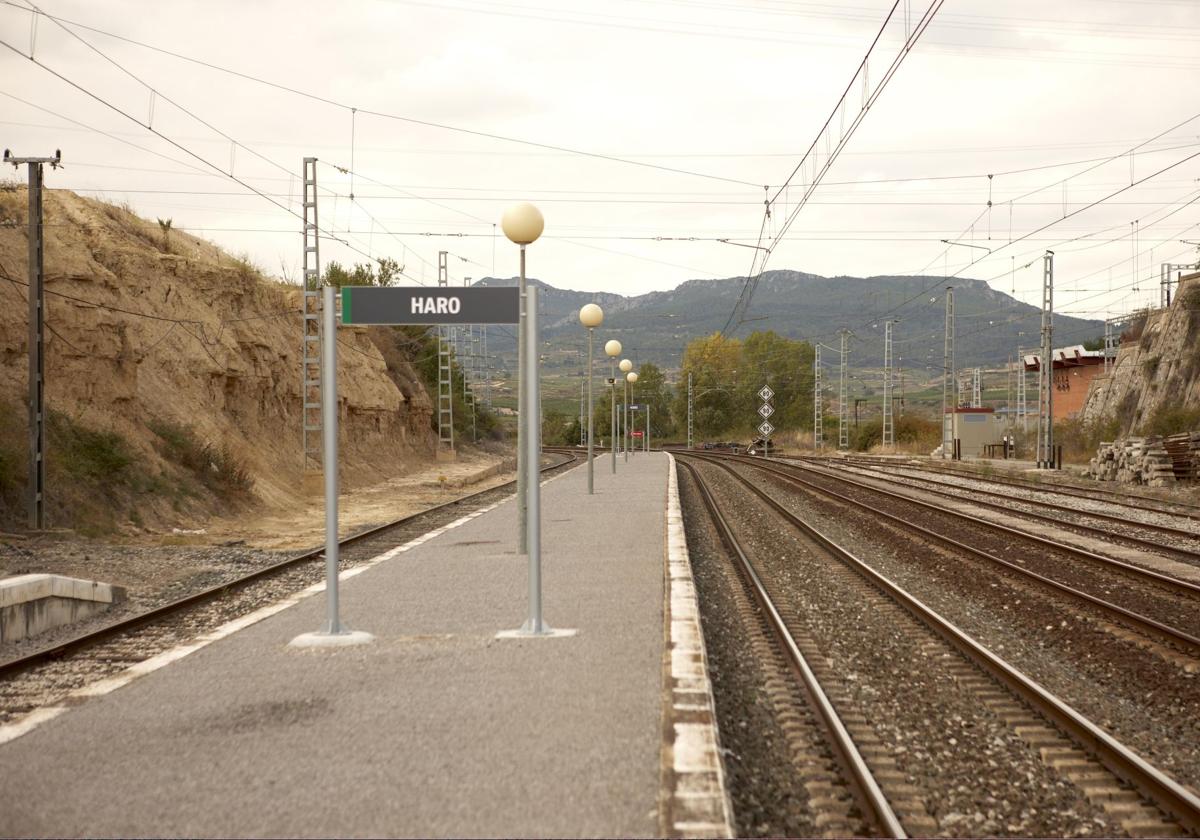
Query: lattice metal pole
{"x": 818, "y": 408}
{"x": 1022, "y": 398}
{"x": 1045, "y": 451}
{"x": 949, "y": 377}
{"x": 889, "y": 422}
{"x": 311, "y": 313}
{"x": 1108, "y": 346}
{"x": 843, "y": 411}
{"x": 977, "y": 388}
{"x": 690, "y": 398}
{"x": 445, "y": 406}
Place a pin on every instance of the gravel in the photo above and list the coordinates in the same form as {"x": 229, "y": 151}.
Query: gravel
{"x": 975, "y": 774}
{"x": 1147, "y": 701}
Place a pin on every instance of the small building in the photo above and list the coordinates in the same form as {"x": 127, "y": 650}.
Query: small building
{"x": 975, "y": 429}
{"x": 1072, "y": 371}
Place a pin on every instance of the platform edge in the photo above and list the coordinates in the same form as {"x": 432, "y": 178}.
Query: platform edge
{"x": 693, "y": 798}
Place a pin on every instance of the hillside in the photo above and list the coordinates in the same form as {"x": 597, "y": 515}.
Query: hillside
{"x": 1154, "y": 386}
{"x": 173, "y": 375}
{"x": 657, "y": 326}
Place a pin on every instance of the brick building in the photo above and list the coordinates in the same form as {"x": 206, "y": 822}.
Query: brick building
{"x": 1073, "y": 370}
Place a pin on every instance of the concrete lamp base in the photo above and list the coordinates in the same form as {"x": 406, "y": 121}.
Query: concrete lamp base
{"x": 345, "y": 638}
{"x": 545, "y": 633}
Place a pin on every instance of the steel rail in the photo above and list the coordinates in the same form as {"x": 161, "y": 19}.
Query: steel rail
{"x": 1133, "y": 523}
{"x": 1168, "y": 794}
{"x": 867, "y": 789}
{"x": 86, "y": 640}
{"x": 1075, "y": 490}
{"x": 1145, "y": 624}
{"x": 1169, "y": 581}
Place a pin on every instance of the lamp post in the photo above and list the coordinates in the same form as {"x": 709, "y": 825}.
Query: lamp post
{"x": 630, "y": 378}
{"x": 523, "y": 224}
{"x": 626, "y": 366}
{"x": 613, "y": 349}
{"x": 591, "y": 316}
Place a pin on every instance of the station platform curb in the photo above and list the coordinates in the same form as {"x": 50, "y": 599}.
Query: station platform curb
{"x": 695, "y": 800}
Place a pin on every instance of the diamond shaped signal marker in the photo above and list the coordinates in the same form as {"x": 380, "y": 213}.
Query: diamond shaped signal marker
{"x": 766, "y": 393}
{"x": 766, "y": 428}
{"x": 766, "y": 410}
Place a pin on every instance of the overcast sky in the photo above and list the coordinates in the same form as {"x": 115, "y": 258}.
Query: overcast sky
{"x": 733, "y": 92}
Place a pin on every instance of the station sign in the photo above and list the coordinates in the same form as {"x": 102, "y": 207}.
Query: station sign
{"x": 421, "y": 305}
{"x": 635, "y": 407}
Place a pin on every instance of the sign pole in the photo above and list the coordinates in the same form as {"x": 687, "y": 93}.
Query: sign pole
{"x": 334, "y": 633}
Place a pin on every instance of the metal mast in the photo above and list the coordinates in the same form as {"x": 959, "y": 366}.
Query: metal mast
{"x": 310, "y": 371}
{"x": 977, "y": 388}
{"x": 1022, "y": 399}
{"x": 889, "y": 422}
{"x": 843, "y": 417}
{"x": 1109, "y": 346}
{"x": 949, "y": 377}
{"x": 1045, "y": 449}
{"x": 1166, "y": 272}
{"x": 689, "y": 409}
{"x": 818, "y": 418}
{"x": 445, "y": 406}
{"x": 37, "y": 338}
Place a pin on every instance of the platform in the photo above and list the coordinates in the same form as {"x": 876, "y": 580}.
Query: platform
{"x": 438, "y": 727}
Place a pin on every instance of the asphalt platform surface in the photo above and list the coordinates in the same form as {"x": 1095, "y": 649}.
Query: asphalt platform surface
{"x": 437, "y": 728}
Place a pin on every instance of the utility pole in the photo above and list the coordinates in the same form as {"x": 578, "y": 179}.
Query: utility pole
{"x": 818, "y": 413}
{"x": 445, "y": 379}
{"x": 1045, "y": 450}
{"x": 948, "y": 376}
{"x": 889, "y": 422}
{"x": 689, "y": 409}
{"x": 310, "y": 364}
{"x": 843, "y": 429}
{"x": 37, "y": 338}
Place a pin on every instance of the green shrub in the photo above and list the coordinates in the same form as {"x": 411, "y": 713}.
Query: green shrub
{"x": 87, "y": 454}
{"x": 215, "y": 467}
{"x": 1171, "y": 419}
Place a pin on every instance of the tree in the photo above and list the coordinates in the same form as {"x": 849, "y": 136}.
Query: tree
{"x": 384, "y": 273}
{"x": 652, "y": 391}
{"x": 713, "y": 364}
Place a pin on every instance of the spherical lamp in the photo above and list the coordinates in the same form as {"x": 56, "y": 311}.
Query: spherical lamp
{"x": 612, "y": 347}
{"x": 591, "y": 316}
{"x": 632, "y": 377}
{"x": 522, "y": 223}
{"x": 625, "y": 366}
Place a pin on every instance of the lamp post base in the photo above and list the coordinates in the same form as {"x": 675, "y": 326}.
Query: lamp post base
{"x": 526, "y": 632}
{"x": 342, "y": 638}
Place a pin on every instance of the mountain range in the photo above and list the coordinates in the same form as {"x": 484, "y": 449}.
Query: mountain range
{"x": 657, "y": 326}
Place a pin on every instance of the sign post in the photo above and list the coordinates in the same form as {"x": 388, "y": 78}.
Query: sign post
{"x": 334, "y": 633}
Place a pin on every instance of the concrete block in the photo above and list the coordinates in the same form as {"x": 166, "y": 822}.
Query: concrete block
{"x": 32, "y": 604}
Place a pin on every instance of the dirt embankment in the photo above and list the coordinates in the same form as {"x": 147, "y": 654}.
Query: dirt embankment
{"x": 173, "y": 371}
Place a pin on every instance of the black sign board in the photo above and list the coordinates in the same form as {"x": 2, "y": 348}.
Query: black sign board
{"x": 430, "y": 305}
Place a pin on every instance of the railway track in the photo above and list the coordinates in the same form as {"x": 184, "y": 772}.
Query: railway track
{"x": 950, "y": 490}
{"x": 1157, "y": 591}
{"x": 1073, "y": 747}
{"x": 1142, "y": 503}
{"x": 26, "y": 682}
